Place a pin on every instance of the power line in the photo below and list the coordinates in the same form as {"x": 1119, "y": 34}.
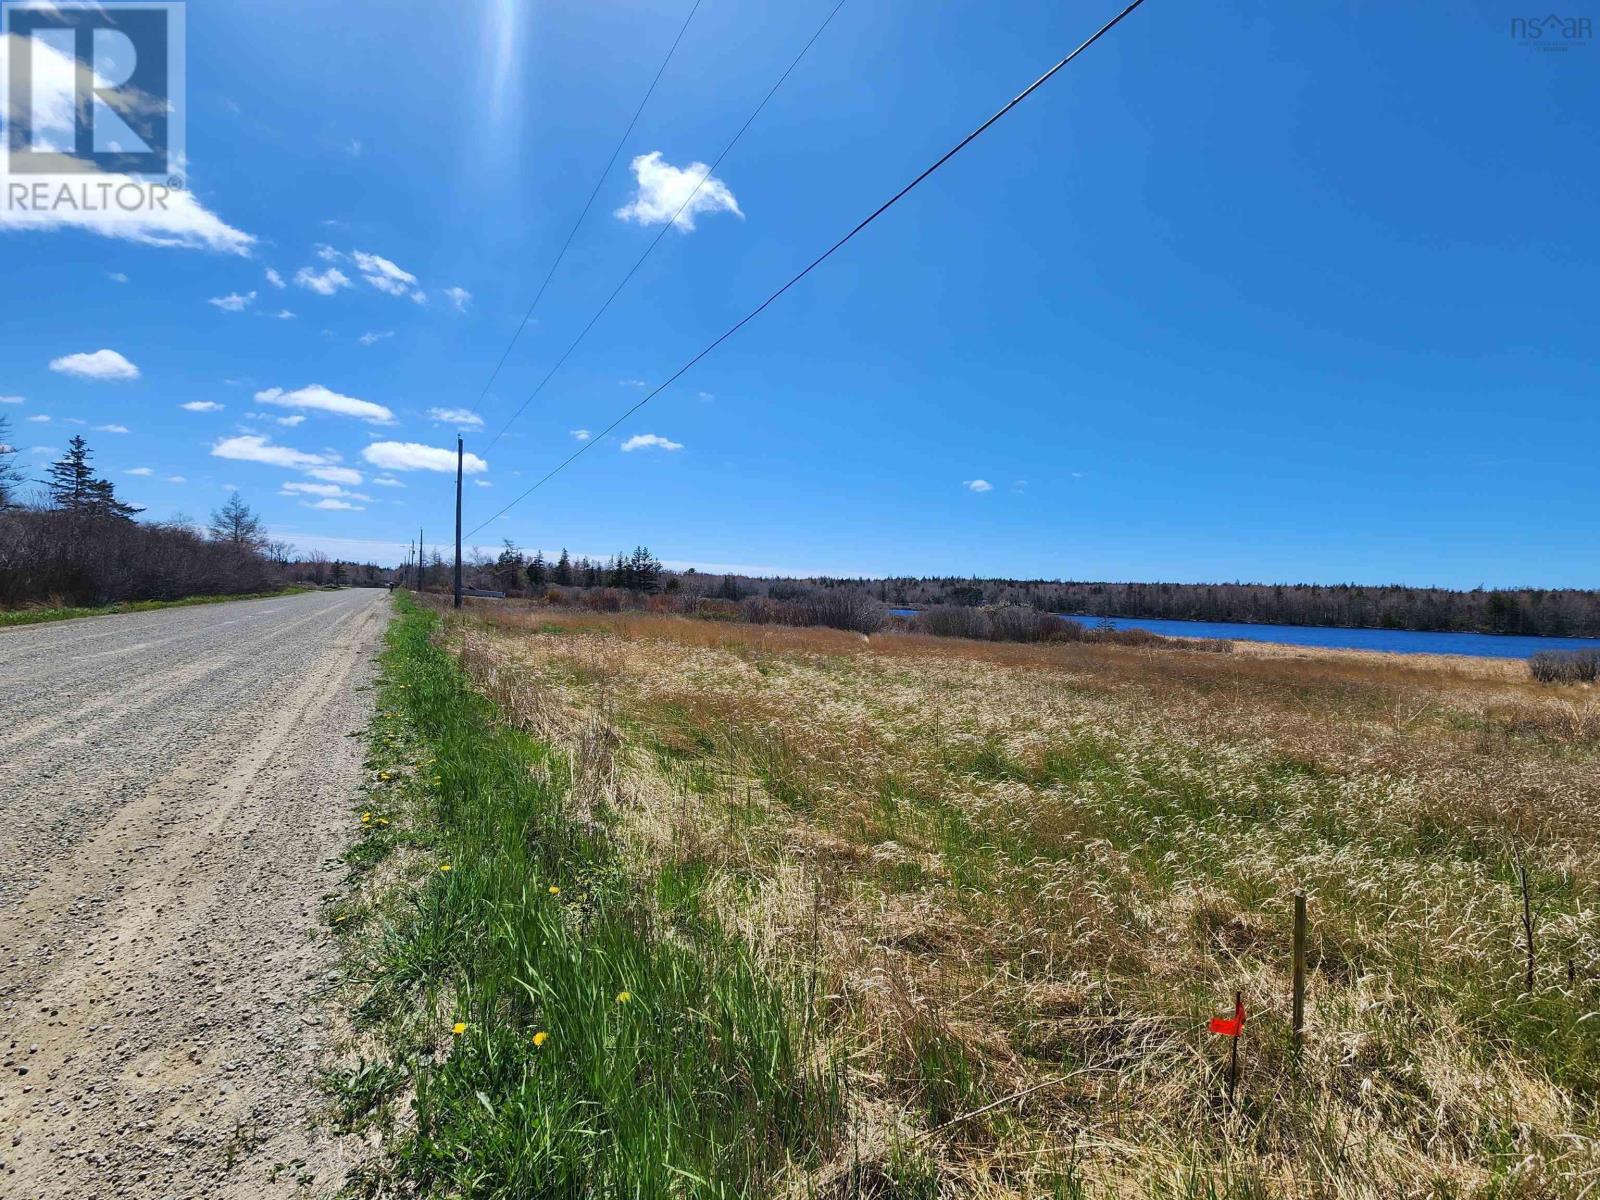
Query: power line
{"x": 650, "y": 249}
{"x": 820, "y": 259}
{"x": 587, "y": 205}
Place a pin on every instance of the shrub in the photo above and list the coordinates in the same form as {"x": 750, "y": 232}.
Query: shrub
{"x": 1565, "y": 666}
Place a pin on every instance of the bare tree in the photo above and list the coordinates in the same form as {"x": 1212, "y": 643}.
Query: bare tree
{"x": 235, "y": 522}
{"x": 10, "y": 476}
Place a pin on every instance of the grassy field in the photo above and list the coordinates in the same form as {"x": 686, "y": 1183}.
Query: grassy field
{"x": 38, "y": 616}
{"x": 921, "y": 917}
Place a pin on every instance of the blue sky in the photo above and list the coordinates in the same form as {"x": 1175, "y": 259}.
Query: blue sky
{"x": 1301, "y": 293}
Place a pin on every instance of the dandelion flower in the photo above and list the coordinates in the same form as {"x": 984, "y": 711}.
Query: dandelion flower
{"x": 624, "y": 997}
{"x": 339, "y": 918}
{"x": 555, "y": 891}
{"x": 458, "y": 1028}
{"x": 540, "y": 1038}
{"x": 444, "y": 868}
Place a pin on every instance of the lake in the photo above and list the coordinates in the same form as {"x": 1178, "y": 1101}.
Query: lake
{"x": 1394, "y": 641}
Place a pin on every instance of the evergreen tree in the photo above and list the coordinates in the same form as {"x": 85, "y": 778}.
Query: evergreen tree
{"x": 563, "y": 573}
{"x": 538, "y": 574}
{"x": 643, "y": 571}
{"x": 235, "y": 522}
{"x": 71, "y": 477}
{"x": 74, "y": 488}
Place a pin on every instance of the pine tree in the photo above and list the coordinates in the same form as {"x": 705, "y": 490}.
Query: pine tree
{"x": 235, "y": 522}
{"x": 74, "y": 488}
{"x": 643, "y": 571}
{"x": 538, "y": 574}
{"x": 71, "y": 477}
{"x": 563, "y": 573}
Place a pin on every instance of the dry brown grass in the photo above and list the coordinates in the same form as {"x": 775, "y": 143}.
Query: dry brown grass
{"x": 1023, "y": 876}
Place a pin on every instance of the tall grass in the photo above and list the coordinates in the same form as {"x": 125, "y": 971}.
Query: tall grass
{"x": 558, "y": 1035}
{"x": 1035, "y": 870}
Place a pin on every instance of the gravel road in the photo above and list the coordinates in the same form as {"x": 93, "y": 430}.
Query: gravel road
{"x": 175, "y": 790}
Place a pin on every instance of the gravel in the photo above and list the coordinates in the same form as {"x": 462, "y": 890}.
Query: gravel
{"x": 174, "y": 797}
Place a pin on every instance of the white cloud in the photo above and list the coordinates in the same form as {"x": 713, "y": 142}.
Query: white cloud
{"x": 40, "y": 418}
{"x": 111, "y": 429}
{"x": 320, "y": 398}
{"x": 102, "y": 364}
{"x": 383, "y": 274}
{"x": 327, "y": 253}
{"x": 10, "y": 399}
{"x": 646, "y": 441}
{"x": 372, "y": 339}
{"x": 176, "y": 479}
{"x": 458, "y": 296}
{"x": 336, "y": 474}
{"x": 252, "y": 447}
{"x": 462, "y": 418}
{"x": 118, "y": 277}
{"x": 72, "y": 420}
{"x": 412, "y": 456}
{"x": 275, "y": 279}
{"x": 633, "y": 383}
{"x": 664, "y": 189}
{"x": 483, "y": 483}
{"x": 141, "y": 471}
{"x": 353, "y": 148}
{"x": 285, "y": 315}
{"x": 977, "y": 485}
{"x": 387, "y": 481}
{"x": 233, "y": 302}
{"x": 324, "y": 284}
{"x": 338, "y": 505}
{"x": 291, "y": 421}
{"x": 298, "y": 488}
{"x": 43, "y": 450}
{"x": 201, "y": 406}
{"x": 582, "y": 435}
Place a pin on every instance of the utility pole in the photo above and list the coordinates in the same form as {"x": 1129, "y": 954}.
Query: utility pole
{"x": 421, "y": 558}
{"x": 459, "y": 457}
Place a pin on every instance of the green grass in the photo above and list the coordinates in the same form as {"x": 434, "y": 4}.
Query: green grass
{"x": 671, "y": 1065}
{"x": 38, "y": 616}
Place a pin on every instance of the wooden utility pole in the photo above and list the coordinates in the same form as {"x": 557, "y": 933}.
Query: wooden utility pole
{"x": 460, "y": 454}
{"x": 1299, "y": 969}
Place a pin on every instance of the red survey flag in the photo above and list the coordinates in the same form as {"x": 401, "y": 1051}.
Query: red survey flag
{"x": 1230, "y": 1026}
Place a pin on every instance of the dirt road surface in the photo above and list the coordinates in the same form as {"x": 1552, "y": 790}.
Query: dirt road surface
{"x": 175, "y": 790}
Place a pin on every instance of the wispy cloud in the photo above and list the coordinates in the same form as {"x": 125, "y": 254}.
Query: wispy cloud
{"x": 322, "y": 400}
{"x": 977, "y": 485}
{"x": 275, "y": 279}
{"x": 324, "y": 283}
{"x": 140, "y": 471}
{"x": 201, "y": 406}
{"x": 372, "y": 339}
{"x": 300, "y": 488}
{"x": 458, "y": 296}
{"x": 337, "y": 505}
{"x": 39, "y": 419}
{"x": 102, "y": 364}
{"x": 255, "y": 448}
{"x": 668, "y": 193}
{"x": 233, "y": 302}
{"x": 461, "y": 418}
{"x": 387, "y": 481}
{"x": 336, "y": 475}
{"x": 582, "y": 435}
{"x": 111, "y": 429}
{"x": 11, "y": 400}
{"x": 117, "y": 277}
{"x": 649, "y": 441}
{"x": 412, "y": 456}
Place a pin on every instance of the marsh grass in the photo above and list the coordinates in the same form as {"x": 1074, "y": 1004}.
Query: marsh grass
{"x": 491, "y": 907}
{"x": 1020, "y": 878}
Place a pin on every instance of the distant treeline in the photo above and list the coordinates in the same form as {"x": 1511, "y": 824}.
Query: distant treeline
{"x": 1529, "y": 611}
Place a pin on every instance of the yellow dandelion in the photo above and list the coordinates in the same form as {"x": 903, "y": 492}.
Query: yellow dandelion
{"x": 445, "y": 868}
{"x": 458, "y": 1028}
{"x": 624, "y": 997}
{"x": 540, "y": 1038}
{"x": 383, "y": 820}
{"x": 555, "y": 891}
{"x": 339, "y": 918}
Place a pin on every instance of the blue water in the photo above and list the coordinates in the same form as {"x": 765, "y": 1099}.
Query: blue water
{"x": 1395, "y": 641}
